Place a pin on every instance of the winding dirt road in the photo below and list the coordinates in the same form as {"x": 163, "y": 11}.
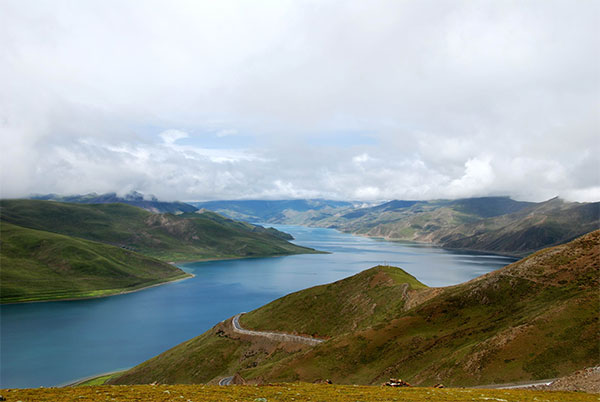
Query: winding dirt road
{"x": 275, "y": 336}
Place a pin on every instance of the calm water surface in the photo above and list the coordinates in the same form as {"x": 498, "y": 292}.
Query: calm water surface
{"x": 46, "y": 344}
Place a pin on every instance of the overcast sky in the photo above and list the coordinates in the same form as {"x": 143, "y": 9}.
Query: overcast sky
{"x": 358, "y": 100}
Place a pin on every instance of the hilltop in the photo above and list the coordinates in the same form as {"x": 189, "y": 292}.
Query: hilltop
{"x": 534, "y": 319}
{"x": 56, "y": 250}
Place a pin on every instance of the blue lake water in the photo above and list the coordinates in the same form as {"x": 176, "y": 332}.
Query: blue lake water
{"x": 47, "y": 344}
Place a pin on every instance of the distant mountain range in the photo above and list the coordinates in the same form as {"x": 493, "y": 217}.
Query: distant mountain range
{"x": 56, "y": 250}
{"x": 492, "y": 224}
{"x": 278, "y": 211}
{"x": 534, "y": 319}
{"x": 149, "y": 203}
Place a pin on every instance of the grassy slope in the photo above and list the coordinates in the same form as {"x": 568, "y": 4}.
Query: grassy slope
{"x": 536, "y": 318}
{"x": 219, "y": 352}
{"x": 317, "y": 311}
{"x": 39, "y": 265}
{"x": 285, "y": 392}
{"x": 163, "y": 236}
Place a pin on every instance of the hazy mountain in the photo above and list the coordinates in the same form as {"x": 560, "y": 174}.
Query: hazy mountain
{"x": 278, "y": 211}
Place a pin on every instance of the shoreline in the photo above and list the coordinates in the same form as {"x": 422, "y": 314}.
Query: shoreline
{"x": 174, "y": 263}
{"x": 177, "y": 279}
{"x": 244, "y": 258}
{"x": 432, "y": 244}
{"x": 89, "y": 378}
{"x": 123, "y": 292}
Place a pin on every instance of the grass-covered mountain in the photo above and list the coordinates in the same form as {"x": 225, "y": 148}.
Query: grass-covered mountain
{"x": 492, "y": 224}
{"x": 56, "y": 250}
{"x": 534, "y": 319}
{"x": 134, "y": 198}
{"x": 489, "y": 224}
{"x": 168, "y": 237}
{"x": 39, "y": 265}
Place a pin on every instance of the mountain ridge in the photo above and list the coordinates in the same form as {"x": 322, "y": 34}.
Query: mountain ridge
{"x": 491, "y": 224}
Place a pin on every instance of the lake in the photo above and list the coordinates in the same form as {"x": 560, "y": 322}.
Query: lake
{"x": 52, "y": 343}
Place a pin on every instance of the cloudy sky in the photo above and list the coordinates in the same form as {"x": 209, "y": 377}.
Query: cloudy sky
{"x": 360, "y": 100}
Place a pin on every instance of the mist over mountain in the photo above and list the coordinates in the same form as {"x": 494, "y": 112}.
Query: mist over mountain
{"x": 147, "y": 202}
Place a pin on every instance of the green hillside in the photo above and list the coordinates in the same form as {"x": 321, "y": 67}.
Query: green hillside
{"x": 534, "y": 319}
{"x": 39, "y": 265}
{"x": 184, "y": 237}
{"x": 318, "y": 312}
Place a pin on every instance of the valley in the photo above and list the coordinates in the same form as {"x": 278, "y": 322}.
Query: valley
{"x": 383, "y": 319}
{"x": 513, "y": 324}
{"x": 83, "y": 338}
{"x": 324, "y": 201}
{"x": 490, "y": 224}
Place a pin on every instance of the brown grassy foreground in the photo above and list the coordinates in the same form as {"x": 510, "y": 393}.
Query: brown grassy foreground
{"x": 282, "y": 392}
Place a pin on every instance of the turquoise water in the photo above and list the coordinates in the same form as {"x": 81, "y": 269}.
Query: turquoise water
{"x": 46, "y": 344}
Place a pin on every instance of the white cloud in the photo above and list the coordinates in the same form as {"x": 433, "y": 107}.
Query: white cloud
{"x": 201, "y": 99}
{"x": 478, "y": 177}
{"x": 362, "y": 158}
{"x": 226, "y": 132}
{"x": 171, "y": 136}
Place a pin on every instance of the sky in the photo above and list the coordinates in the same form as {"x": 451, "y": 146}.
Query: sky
{"x": 349, "y": 100}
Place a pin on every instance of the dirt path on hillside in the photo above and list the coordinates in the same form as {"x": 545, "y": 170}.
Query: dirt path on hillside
{"x": 276, "y": 336}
